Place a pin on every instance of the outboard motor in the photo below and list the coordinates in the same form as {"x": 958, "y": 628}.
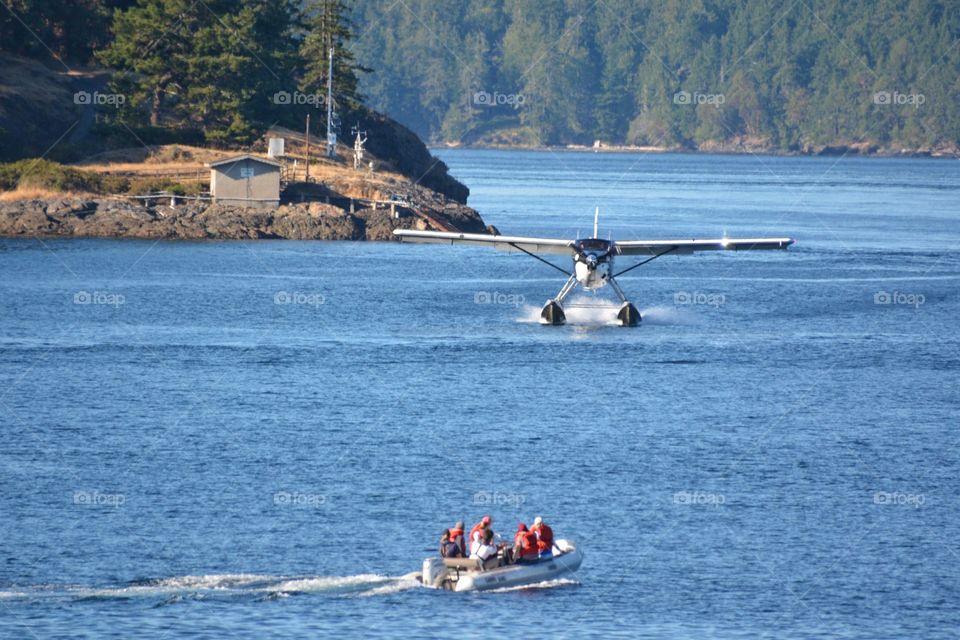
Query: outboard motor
{"x": 434, "y": 573}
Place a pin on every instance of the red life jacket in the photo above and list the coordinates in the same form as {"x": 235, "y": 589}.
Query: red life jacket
{"x": 544, "y": 537}
{"x": 528, "y": 544}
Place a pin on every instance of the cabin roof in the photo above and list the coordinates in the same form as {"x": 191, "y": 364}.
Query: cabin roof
{"x": 245, "y": 156}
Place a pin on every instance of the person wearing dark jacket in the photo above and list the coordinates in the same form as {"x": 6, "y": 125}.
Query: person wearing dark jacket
{"x": 449, "y": 548}
{"x": 458, "y": 537}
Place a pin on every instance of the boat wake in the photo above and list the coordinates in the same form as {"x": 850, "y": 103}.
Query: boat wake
{"x": 546, "y": 584}
{"x": 170, "y": 591}
{"x": 204, "y": 587}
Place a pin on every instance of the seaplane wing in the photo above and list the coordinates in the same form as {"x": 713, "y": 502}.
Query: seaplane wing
{"x": 657, "y": 247}
{"x": 503, "y": 243}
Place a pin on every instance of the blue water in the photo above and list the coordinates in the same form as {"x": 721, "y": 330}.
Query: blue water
{"x": 259, "y": 439}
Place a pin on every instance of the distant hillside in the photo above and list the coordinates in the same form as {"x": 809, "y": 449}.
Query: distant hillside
{"x": 715, "y": 74}
{"x": 34, "y": 104}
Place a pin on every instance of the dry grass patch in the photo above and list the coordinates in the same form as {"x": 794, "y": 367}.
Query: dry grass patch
{"x": 143, "y": 159}
{"x": 143, "y": 168}
{"x": 39, "y": 193}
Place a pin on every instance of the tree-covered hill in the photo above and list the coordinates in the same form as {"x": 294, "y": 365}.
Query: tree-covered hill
{"x": 696, "y": 73}
{"x": 82, "y": 77}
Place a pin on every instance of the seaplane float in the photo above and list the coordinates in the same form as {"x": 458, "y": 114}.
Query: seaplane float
{"x": 471, "y": 574}
{"x": 593, "y": 259}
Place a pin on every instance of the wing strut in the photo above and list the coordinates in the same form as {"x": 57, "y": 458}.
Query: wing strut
{"x": 544, "y": 261}
{"x": 640, "y": 264}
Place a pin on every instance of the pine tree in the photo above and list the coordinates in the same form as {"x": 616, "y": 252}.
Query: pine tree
{"x": 51, "y": 30}
{"x": 327, "y": 26}
{"x": 212, "y": 65}
{"x": 152, "y": 43}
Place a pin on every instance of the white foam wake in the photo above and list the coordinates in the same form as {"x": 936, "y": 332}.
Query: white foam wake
{"x": 213, "y": 581}
{"x": 395, "y": 586}
{"x": 177, "y": 588}
{"x": 579, "y": 310}
{"x": 546, "y": 584}
{"x": 331, "y": 583}
{"x": 667, "y": 315}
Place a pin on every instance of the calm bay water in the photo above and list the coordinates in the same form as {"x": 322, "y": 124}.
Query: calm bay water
{"x": 259, "y": 439}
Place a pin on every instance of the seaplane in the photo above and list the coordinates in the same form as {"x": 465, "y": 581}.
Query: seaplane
{"x": 593, "y": 259}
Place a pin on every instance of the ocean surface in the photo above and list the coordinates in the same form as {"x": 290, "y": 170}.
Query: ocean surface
{"x": 259, "y": 439}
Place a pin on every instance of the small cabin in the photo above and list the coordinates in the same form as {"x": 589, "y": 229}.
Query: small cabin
{"x": 245, "y": 181}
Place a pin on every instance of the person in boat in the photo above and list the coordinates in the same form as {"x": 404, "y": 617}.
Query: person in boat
{"x": 485, "y": 551}
{"x": 444, "y": 542}
{"x": 449, "y": 548}
{"x": 544, "y": 537}
{"x": 458, "y": 537}
{"x": 525, "y": 549}
{"x": 477, "y": 532}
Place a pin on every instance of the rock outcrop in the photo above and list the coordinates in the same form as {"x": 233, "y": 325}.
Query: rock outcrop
{"x": 201, "y": 220}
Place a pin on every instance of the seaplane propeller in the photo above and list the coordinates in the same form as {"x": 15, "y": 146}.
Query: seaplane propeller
{"x": 593, "y": 259}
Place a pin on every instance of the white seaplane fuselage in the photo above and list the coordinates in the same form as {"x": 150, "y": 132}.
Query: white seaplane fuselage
{"x": 593, "y": 262}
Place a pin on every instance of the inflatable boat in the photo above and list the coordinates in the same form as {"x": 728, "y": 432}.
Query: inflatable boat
{"x": 465, "y": 574}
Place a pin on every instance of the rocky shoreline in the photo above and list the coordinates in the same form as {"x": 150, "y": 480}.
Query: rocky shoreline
{"x": 732, "y": 148}
{"x": 106, "y": 217}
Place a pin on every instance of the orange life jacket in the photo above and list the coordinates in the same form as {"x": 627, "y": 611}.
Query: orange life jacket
{"x": 469, "y": 541}
{"x": 455, "y": 533}
{"x": 528, "y": 544}
{"x": 544, "y": 537}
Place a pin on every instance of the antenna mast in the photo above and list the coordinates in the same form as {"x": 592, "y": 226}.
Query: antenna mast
{"x": 331, "y": 136}
{"x": 358, "y": 143}
{"x": 306, "y": 139}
